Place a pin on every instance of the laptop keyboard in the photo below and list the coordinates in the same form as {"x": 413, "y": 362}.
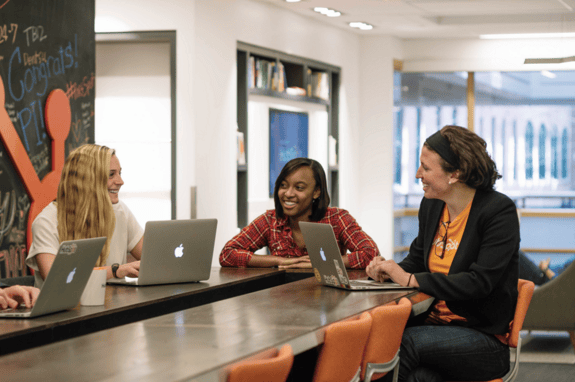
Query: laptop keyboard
{"x": 20, "y": 309}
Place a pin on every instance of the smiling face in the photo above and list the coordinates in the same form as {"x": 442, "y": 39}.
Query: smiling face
{"x": 296, "y": 194}
{"x": 115, "y": 181}
{"x": 434, "y": 179}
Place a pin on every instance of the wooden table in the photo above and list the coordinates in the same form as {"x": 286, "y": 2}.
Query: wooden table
{"x": 126, "y": 304}
{"x": 198, "y": 343}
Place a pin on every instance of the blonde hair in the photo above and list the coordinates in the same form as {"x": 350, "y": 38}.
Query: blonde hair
{"x": 83, "y": 203}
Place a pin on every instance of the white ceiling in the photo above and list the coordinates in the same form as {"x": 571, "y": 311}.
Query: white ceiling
{"x": 443, "y": 18}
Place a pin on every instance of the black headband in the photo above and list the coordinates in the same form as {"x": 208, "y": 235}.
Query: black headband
{"x": 441, "y": 146}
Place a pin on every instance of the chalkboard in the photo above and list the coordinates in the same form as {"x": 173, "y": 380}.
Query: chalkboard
{"x": 44, "y": 46}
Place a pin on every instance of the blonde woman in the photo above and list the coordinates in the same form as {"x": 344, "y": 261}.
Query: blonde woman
{"x": 86, "y": 206}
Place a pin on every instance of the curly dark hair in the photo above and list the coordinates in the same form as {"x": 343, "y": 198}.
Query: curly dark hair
{"x": 476, "y": 168}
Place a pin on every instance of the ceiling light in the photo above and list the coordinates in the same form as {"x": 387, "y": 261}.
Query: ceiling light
{"x": 361, "y": 25}
{"x": 327, "y": 12}
{"x": 549, "y": 60}
{"x": 548, "y": 74}
{"x": 525, "y": 35}
{"x": 293, "y": 1}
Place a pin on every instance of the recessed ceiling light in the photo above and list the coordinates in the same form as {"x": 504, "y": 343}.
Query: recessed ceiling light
{"x": 293, "y": 1}
{"x": 361, "y": 25}
{"x": 327, "y": 12}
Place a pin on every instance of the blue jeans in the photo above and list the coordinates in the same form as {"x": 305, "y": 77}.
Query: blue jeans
{"x": 451, "y": 353}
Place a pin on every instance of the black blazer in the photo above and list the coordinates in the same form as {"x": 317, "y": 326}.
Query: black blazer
{"x": 482, "y": 281}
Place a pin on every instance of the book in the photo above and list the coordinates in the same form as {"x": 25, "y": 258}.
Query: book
{"x": 241, "y": 150}
{"x": 251, "y": 72}
{"x": 320, "y": 85}
{"x": 332, "y": 151}
{"x": 294, "y": 90}
{"x": 281, "y": 78}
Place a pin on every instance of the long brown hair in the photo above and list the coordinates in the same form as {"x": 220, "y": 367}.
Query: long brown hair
{"x": 84, "y": 206}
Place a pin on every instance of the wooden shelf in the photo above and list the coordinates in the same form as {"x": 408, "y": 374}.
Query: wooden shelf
{"x": 283, "y": 95}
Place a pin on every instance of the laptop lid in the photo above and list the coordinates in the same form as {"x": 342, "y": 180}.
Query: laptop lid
{"x": 67, "y": 278}
{"x": 327, "y": 261}
{"x": 324, "y": 254}
{"x": 177, "y": 251}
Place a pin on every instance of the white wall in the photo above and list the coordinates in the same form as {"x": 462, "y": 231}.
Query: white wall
{"x": 146, "y": 15}
{"x": 452, "y": 55}
{"x": 207, "y": 31}
{"x": 375, "y": 139}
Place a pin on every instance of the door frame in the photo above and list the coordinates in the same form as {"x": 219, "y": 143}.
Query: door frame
{"x": 169, "y": 37}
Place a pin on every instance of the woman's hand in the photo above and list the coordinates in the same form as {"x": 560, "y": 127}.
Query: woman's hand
{"x": 382, "y": 270}
{"x": 128, "y": 270}
{"x": 294, "y": 262}
{"x": 18, "y": 294}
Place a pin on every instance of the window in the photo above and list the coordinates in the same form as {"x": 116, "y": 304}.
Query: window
{"x": 526, "y": 120}
{"x": 529, "y": 151}
{"x": 542, "y": 156}
{"x": 554, "y": 154}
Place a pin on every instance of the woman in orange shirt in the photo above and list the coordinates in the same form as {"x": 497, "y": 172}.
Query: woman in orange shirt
{"x": 466, "y": 256}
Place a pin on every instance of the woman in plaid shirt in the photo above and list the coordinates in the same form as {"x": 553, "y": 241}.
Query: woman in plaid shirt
{"x": 300, "y": 194}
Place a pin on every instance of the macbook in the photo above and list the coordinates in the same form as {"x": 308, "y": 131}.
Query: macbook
{"x": 175, "y": 251}
{"x": 328, "y": 264}
{"x": 66, "y": 280}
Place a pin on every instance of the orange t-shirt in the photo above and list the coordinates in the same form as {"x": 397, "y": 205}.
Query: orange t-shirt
{"x": 448, "y": 234}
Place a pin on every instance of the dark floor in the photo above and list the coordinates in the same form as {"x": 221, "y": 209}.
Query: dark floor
{"x": 536, "y": 372}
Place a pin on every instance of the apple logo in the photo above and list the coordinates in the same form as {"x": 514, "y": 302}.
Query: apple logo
{"x": 322, "y": 254}
{"x": 179, "y": 251}
{"x": 70, "y": 276}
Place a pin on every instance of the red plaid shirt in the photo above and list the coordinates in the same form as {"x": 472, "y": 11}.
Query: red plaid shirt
{"x": 267, "y": 230}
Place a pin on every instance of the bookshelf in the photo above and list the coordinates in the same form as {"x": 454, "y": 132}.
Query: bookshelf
{"x": 271, "y": 73}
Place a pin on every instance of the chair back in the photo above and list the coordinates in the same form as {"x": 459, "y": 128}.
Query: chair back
{"x": 343, "y": 346}
{"x": 525, "y": 292}
{"x": 386, "y": 331}
{"x": 268, "y": 366}
{"x": 553, "y": 304}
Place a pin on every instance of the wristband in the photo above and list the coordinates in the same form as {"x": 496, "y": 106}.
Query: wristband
{"x": 115, "y": 267}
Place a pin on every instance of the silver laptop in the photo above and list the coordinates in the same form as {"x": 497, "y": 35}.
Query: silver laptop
{"x": 66, "y": 280}
{"x": 328, "y": 264}
{"x": 175, "y": 251}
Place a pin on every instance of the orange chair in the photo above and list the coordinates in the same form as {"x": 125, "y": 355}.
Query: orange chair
{"x": 268, "y": 366}
{"x": 382, "y": 350}
{"x": 525, "y": 289}
{"x": 343, "y": 346}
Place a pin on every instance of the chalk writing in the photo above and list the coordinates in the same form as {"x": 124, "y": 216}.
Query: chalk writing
{"x": 36, "y": 77}
{"x": 75, "y": 90}
{"x": 40, "y": 160}
{"x": 28, "y": 115}
{"x": 7, "y": 213}
{"x": 79, "y": 132}
{"x": 23, "y": 207}
{"x": 34, "y": 59}
{"x": 14, "y": 260}
{"x": 34, "y": 33}
{"x": 5, "y": 32}
{"x": 10, "y": 109}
